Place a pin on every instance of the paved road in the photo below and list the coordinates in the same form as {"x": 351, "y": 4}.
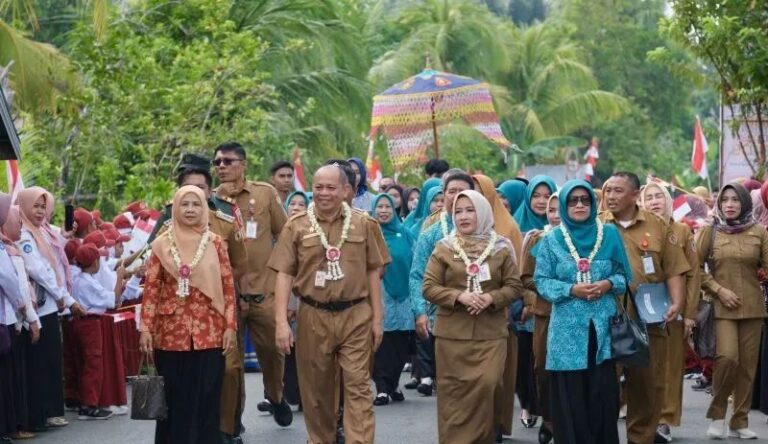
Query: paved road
{"x": 411, "y": 422}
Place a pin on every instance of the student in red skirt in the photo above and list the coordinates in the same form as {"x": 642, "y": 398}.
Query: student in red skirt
{"x": 96, "y": 300}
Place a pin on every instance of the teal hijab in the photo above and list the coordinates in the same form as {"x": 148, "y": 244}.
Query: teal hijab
{"x": 584, "y": 234}
{"x": 421, "y": 211}
{"x": 400, "y": 244}
{"x": 294, "y": 194}
{"x": 525, "y": 217}
{"x": 514, "y": 191}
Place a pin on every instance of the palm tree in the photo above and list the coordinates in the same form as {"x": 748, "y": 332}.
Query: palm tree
{"x": 318, "y": 62}
{"x": 550, "y": 91}
{"x": 459, "y": 36}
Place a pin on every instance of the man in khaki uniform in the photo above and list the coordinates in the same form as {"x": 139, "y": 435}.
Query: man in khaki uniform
{"x": 656, "y": 255}
{"x": 263, "y": 219}
{"x": 194, "y": 170}
{"x": 340, "y": 321}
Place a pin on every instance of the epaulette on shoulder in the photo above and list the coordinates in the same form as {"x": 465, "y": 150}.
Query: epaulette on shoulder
{"x": 263, "y": 184}
{"x": 225, "y": 217}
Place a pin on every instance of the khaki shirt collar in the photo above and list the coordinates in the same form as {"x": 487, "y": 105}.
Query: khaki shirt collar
{"x": 337, "y": 214}
{"x": 639, "y": 217}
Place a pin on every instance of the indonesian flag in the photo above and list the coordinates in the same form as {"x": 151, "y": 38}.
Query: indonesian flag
{"x": 700, "y": 148}
{"x": 15, "y": 183}
{"x": 373, "y": 165}
{"x": 680, "y": 208}
{"x": 299, "y": 183}
{"x": 591, "y": 157}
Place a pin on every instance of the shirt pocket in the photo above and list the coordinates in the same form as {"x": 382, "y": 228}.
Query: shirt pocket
{"x": 752, "y": 247}
{"x": 311, "y": 250}
{"x": 354, "y": 249}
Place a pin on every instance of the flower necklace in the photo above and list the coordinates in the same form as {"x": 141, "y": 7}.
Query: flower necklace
{"x": 332, "y": 252}
{"x": 444, "y": 223}
{"x": 583, "y": 265}
{"x": 473, "y": 268}
{"x": 186, "y": 269}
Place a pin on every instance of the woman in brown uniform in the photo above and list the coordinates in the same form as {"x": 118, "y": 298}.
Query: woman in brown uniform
{"x": 657, "y": 200}
{"x": 472, "y": 276}
{"x": 733, "y": 249}
{"x": 539, "y": 307}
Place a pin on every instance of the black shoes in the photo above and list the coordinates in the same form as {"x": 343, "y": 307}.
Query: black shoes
{"x": 93, "y": 413}
{"x": 381, "y": 399}
{"x": 264, "y": 406}
{"x": 425, "y": 389}
{"x": 397, "y": 396}
{"x": 530, "y": 422}
{"x": 282, "y": 413}
{"x": 412, "y": 384}
{"x": 545, "y": 435}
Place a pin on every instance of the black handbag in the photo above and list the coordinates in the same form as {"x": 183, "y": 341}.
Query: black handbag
{"x": 148, "y": 394}
{"x": 629, "y": 337}
{"x": 704, "y": 340}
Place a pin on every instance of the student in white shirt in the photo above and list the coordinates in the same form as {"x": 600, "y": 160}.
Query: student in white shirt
{"x": 48, "y": 275}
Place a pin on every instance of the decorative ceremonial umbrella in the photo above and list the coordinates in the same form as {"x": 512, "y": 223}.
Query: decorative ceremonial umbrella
{"x": 9, "y": 140}
{"x": 410, "y": 112}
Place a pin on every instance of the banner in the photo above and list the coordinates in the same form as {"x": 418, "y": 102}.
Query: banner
{"x": 733, "y": 163}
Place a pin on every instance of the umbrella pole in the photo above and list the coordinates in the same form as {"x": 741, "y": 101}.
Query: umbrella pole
{"x": 435, "y": 145}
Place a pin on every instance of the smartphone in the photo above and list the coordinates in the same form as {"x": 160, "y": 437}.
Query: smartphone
{"x": 69, "y": 217}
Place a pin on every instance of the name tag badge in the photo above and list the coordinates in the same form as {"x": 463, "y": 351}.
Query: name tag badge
{"x": 320, "y": 279}
{"x": 485, "y": 273}
{"x": 648, "y": 267}
{"x": 251, "y": 228}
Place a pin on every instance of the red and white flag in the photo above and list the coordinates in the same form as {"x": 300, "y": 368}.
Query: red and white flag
{"x": 700, "y": 148}
{"x": 15, "y": 183}
{"x": 591, "y": 157}
{"x": 299, "y": 182}
{"x": 373, "y": 167}
{"x": 680, "y": 208}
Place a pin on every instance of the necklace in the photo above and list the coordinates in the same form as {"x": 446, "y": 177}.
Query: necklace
{"x": 444, "y": 223}
{"x": 583, "y": 265}
{"x": 185, "y": 270}
{"x": 332, "y": 252}
{"x": 473, "y": 268}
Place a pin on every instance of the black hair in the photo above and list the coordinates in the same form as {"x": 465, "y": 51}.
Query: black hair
{"x": 631, "y": 178}
{"x": 188, "y": 171}
{"x": 404, "y": 211}
{"x": 231, "y": 147}
{"x": 459, "y": 176}
{"x": 279, "y": 165}
{"x": 346, "y": 168}
{"x": 399, "y": 189}
{"x": 436, "y": 167}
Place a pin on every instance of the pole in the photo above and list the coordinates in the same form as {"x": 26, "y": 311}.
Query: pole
{"x": 435, "y": 145}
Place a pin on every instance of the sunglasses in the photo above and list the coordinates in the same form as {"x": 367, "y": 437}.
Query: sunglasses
{"x": 575, "y": 200}
{"x": 226, "y": 161}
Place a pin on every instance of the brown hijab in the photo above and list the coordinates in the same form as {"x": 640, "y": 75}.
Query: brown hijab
{"x": 206, "y": 275}
{"x": 505, "y": 225}
{"x": 26, "y": 200}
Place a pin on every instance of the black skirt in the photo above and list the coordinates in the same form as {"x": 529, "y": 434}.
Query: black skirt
{"x": 7, "y": 408}
{"x": 45, "y": 382}
{"x": 389, "y": 360}
{"x": 585, "y": 403}
{"x": 21, "y": 401}
{"x": 526, "y": 378}
{"x": 193, "y": 393}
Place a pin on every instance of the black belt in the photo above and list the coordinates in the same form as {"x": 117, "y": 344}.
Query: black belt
{"x": 257, "y": 298}
{"x": 331, "y": 306}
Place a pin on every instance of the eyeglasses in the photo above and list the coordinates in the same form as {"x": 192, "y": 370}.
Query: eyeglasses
{"x": 226, "y": 161}
{"x": 574, "y": 201}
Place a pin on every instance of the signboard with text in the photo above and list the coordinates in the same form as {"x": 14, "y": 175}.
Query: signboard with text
{"x": 735, "y": 144}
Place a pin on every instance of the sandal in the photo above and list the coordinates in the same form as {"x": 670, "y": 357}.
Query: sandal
{"x": 57, "y": 421}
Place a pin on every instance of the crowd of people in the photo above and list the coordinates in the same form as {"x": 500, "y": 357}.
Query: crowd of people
{"x": 486, "y": 291}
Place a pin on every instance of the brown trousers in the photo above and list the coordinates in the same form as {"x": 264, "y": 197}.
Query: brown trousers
{"x": 469, "y": 373}
{"x": 232, "y": 394}
{"x": 737, "y": 352}
{"x": 644, "y": 390}
{"x": 672, "y": 409}
{"x": 260, "y": 320}
{"x": 327, "y": 341}
{"x": 504, "y": 399}
{"x": 540, "y": 334}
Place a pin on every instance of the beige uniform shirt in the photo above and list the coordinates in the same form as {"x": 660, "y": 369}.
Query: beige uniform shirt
{"x": 541, "y": 306}
{"x": 693, "y": 276}
{"x": 446, "y": 278}
{"x": 735, "y": 259}
{"x": 299, "y": 253}
{"x": 263, "y": 214}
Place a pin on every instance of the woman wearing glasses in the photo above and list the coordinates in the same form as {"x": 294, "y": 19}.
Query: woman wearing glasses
{"x": 580, "y": 268}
